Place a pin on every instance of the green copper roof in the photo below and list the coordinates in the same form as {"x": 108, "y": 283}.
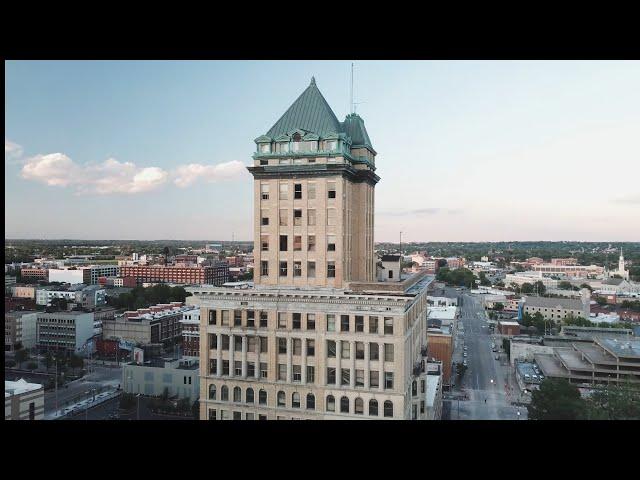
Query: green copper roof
{"x": 311, "y": 114}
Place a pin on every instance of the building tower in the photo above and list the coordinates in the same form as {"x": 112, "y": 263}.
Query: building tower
{"x": 621, "y": 267}
{"x": 314, "y": 181}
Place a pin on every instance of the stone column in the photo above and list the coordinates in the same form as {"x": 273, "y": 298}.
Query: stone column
{"x": 289, "y": 358}
{"x": 381, "y": 364}
{"x": 219, "y": 355}
{"x": 367, "y": 353}
{"x": 303, "y": 367}
{"x": 231, "y": 356}
{"x": 244, "y": 356}
{"x": 257, "y": 372}
{"x": 338, "y": 358}
{"x": 352, "y": 375}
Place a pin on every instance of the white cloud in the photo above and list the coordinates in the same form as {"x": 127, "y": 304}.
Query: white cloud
{"x": 12, "y": 149}
{"x": 186, "y": 175}
{"x": 111, "y": 176}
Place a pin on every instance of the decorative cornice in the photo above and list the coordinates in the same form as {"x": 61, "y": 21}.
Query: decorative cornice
{"x": 314, "y": 170}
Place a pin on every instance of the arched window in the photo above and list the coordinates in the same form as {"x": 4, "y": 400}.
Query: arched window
{"x": 373, "y": 408}
{"x": 388, "y": 408}
{"x": 311, "y": 401}
{"x": 262, "y": 397}
{"x": 359, "y": 406}
{"x": 281, "y": 399}
{"x": 414, "y": 388}
{"x": 237, "y": 394}
{"x": 249, "y": 395}
{"x": 344, "y": 405}
{"x": 331, "y": 404}
{"x": 295, "y": 400}
{"x": 212, "y": 392}
{"x": 224, "y": 393}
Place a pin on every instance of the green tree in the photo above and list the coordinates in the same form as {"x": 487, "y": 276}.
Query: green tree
{"x": 527, "y": 288}
{"x": 21, "y": 356}
{"x": 564, "y": 285}
{"x": 498, "y": 306}
{"x": 539, "y": 287}
{"x": 615, "y": 402}
{"x": 557, "y": 399}
{"x": 587, "y": 286}
{"x": 461, "y": 368}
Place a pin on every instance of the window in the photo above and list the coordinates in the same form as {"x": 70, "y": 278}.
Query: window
{"x": 249, "y": 416}
{"x": 213, "y": 366}
{"x": 346, "y": 376}
{"x": 297, "y": 269}
{"x": 295, "y": 400}
{"x": 264, "y": 217}
{"x": 263, "y": 319}
{"x": 213, "y": 341}
{"x": 421, "y": 386}
{"x": 281, "y": 399}
{"x": 237, "y": 394}
{"x": 374, "y": 379}
{"x": 212, "y": 414}
{"x": 311, "y": 347}
{"x": 331, "y": 376}
{"x": 282, "y": 346}
{"x": 264, "y": 243}
{"x": 237, "y": 343}
{"x": 359, "y": 406}
{"x": 388, "y": 380}
{"x": 251, "y": 369}
{"x": 422, "y": 406}
{"x": 311, "y": 217}
{"x": 238, "y": 369}
{"x": 225, "y": 342}
{"x": 212, "y": 392}
{"x": 297, "y": 191}
{"x": 331, "y": 189}
{"x": 311, "y": 321}
{"x": 297, "y": 373}
{"x": 263, "y": 370}
{"x": 359, "y": 378}
{"x": 284, "y": 243}
{"x": 297, "y": 217}
{"x": 359, "y": 323}
{"x": 311, "y": 401}
{"x": 344, "y": 323}
{"x": 331, "y": 243}
{"x": 297, "y": 243}
{"x": 373, "y": 324}
{"x": 264, "y": 189}
{"x": 212, "y": 317}
{"x": 282, "y": 320}
{"x": 311, "y": 374}
{"x": 262, "y": 397}
{"x": 297, "y": 346}
{"x": 388, "y": 352}
{"x": 331, "y": 403}
{"x": 373, "y": 408}
{"x": 283, "y": 220}
{"x": 331, "y": 349}
{"x": 284, "y": 191}
{"x": 331, "y": 323}
{"x": 283, "y": 269}
{"x": 388, "y": 326}
{"x": 388, "y": 409}
{"x": 282, "y": 372}
{"x": 225, "y": 318}
{"x": 237, "y": 322}
{"x": 251, "y": 323}
{"x": 346, "y": 349}
{"x": 225, "y": 367}
{"x": 414, "y": 388}
{"x": 359, "y": 351}
{"x": 331, "y": 216}
{"x": 224, "y": 393}
{"x": 344, "y": 405}
{"x": 390, "y": 273}
{"x": 264, "y": 268}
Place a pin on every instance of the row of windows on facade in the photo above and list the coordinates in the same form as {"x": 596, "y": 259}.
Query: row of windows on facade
{"x": 284, "y": 216}
{"x": 296, "y": 374}
{"x": 310, "y": 404}
{"x": 283, "y": 191}
{"x": 298, "y": 144}
{"x": 283, "y": 270}
{"x": 310, "y": 344}
{"x": 297, "y": 245}
{"x": 293, "y": 321}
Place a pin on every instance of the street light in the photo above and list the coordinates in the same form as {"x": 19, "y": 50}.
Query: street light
{"x": 138, "y": 415}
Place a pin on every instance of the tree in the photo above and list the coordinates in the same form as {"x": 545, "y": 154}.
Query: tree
{"x": 527, "y": 288}
{"x": 615, "y": 402}
{"x": 76, "y": 362}
{"x": 587, "y": 286}
{"x": 32, "y": 365}
{"x": 484, "y": 280}
{"x": 498, "y": 306}
{"x": 557, "y": 399}
{"x": 539, "y": 287}
{"x": 21, "y": 356}
{"x": 506, "y": 346}
{"x": 564, "y": 285}
{"x": 461, "y": 368}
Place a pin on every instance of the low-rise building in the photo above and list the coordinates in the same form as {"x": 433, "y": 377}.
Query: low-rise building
{"x": 215, "y": 274}
{"x": 37, "y": 273}
{"x": 508, "y": 329}
{"x": 180, "y": 377}
{"x": 557, "y": 309}
{"x": 23, "y": 400}
{"x": 191, "y": 333}
{"x": 433, "y": 397}
{"x": 528, "y": 376}
{"x": 19, "y": 328}
{"x": 24, "y": 291}
{"x": 64, "y": 330}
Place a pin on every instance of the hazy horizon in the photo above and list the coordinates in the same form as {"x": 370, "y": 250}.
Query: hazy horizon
{"x": 469, "y": 151}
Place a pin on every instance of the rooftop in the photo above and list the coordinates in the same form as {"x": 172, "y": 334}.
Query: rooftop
{"x": 545, "y": 302}
{"x": 443, "y": 313}
{"x": 433, "y": 382}
{"x": 19, "y": 387}
{"x": 621, "y": 348}
{"x": 526, "y": 368}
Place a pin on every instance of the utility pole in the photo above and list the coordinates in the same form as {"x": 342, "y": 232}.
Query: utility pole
{"x": 56, "y": 386}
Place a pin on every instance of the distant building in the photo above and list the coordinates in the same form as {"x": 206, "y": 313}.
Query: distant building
{"x": 88, "y": 275}
{"x": 23, "y": 400}
{"x": 24, "y": 291}
{"x": 38, "y": 273}
{"x": 529, "y": 277}
{"x": 508, "y": 329}
{"x": 216, "y": 274}
{"x": 181, "y": 378}
{"x": 564, "y": 261}
{"x": 64, "y": 330}
{"x": 581, "y": 271}
{"x": 389, "y": 269}
{"x": 19, "y": 328}
{"x": 191, "y": 333}
{"x": 557, "y": 308}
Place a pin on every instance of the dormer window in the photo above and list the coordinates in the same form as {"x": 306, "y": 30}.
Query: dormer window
{"x": 331, "y": 145}
{"x": 265, "y": 148}
{"x": 284, "y": 147}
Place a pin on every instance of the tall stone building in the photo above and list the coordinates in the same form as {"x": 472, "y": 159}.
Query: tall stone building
{"x": 317, "y": 337}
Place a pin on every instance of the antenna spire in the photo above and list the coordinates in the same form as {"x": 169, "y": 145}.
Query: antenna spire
{"x": 351, "y": 106}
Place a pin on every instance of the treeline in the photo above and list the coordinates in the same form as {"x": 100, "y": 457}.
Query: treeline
{"x": 538, "y": 322}
{"x": 460, "y": 277}
{"x": 141, "y": 297}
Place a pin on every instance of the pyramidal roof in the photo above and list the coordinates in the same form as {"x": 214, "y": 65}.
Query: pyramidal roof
{"x": 311, "y": 113}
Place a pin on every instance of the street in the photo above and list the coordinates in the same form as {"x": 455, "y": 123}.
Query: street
{"x": 488, "y": 383}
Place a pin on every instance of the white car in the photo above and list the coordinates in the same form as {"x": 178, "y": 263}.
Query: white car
{"x": 464, "y": 354}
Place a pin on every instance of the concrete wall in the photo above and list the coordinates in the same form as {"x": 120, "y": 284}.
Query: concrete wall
{"x": 526, "y": 351}
{"x": 153, "y": 380}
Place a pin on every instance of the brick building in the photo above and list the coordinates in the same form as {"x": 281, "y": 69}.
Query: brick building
{"x": 215, "y": 274}
{"x": 39, "y": 273}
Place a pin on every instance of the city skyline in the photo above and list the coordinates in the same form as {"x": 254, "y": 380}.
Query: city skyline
{"x": 484, "y": 151}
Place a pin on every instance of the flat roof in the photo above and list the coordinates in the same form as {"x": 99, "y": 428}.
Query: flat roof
{"x": 526, "y": 368}
{"x": 19, "y": 387}
{"x": 432, "y": 387}
{"x": 621, "y": 348}
{"x": 445, "y": 313}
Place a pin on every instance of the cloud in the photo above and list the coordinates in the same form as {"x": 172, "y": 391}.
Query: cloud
{"x": 422, "y": 211}
{"x": 633, "y": 199}
{"x": 109, "y": 177}
{"x": 186, "y": 175}
{"x": 11, "y": 149}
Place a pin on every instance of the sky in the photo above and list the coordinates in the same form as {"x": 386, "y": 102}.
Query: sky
{"x": 467, "y": 150}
